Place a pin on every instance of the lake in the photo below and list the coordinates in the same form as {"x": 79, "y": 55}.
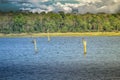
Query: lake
{"x": 60, "y": 59}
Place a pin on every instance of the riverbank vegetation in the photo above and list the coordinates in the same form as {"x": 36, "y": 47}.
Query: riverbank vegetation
{"x": 58, "y": 22}
{"x": 60, "y": 34}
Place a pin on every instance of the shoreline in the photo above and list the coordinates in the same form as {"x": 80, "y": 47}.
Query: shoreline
{"x": 76, "y": 34}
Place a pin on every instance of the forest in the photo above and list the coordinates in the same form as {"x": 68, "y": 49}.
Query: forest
{"x": 26, "y": 22}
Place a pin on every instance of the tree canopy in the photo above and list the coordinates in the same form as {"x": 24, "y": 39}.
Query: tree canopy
{"x": 58, "y": 22}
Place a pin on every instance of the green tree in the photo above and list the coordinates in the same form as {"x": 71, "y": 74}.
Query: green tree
{"x": 18, "y": 23}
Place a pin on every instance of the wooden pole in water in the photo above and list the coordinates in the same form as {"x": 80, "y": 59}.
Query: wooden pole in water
{"x": 84, "y": 46}
{"x": 35, "y": 46}
{"x": 48, "y": 35}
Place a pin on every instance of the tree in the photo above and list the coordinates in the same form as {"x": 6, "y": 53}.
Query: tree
{"x": 18, "y": 23}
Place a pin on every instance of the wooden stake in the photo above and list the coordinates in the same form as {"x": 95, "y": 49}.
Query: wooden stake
{"x": 35, "y": 46}
{"x": 84, "y": 46}
{"x": 48, "y": 35}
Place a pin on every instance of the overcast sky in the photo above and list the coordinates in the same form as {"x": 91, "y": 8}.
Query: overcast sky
{"x": 68, "y": 6}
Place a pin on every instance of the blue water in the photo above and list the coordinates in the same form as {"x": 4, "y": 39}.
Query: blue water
{"x": 60, "y": 59}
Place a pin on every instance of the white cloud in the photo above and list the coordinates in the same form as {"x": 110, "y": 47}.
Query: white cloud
{"x": 109, "y": 9}
{"x": 44, "y": 0}
{"x": 89, "y": 1}
{"x": 74, "y": 5}
{"x": 27, "y": 5}
{"x": 83, "y": 6}
{"x": 111, "y": 6}
{"x": 87, "y": 8}
{"x": 37, "y": 1}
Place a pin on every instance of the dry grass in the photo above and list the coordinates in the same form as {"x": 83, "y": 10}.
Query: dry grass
{"x": 62, "y": 34}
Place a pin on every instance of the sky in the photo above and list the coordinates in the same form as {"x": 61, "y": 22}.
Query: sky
{"x": 68, "y": 6}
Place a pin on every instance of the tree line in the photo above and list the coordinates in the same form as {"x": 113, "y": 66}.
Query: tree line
{"x": 58, "y": 22}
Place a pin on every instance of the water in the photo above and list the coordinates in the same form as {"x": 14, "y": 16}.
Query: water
{"x": 60, "y": 59}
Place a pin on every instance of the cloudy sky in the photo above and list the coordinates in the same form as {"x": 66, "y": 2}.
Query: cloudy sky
{"x": 68, "y": 6}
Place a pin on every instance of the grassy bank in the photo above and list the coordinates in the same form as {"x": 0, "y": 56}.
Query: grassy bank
{"x": 61, "y": 34}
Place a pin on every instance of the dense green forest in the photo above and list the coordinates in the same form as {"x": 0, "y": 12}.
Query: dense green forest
{"x": 58, "y": 22}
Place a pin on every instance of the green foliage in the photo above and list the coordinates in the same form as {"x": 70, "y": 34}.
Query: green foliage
{"x": 18, "y": 23}
{"x": 58, "y": 22}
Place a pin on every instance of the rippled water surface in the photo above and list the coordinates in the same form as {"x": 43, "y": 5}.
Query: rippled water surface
{"x": 60, "y": 59}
